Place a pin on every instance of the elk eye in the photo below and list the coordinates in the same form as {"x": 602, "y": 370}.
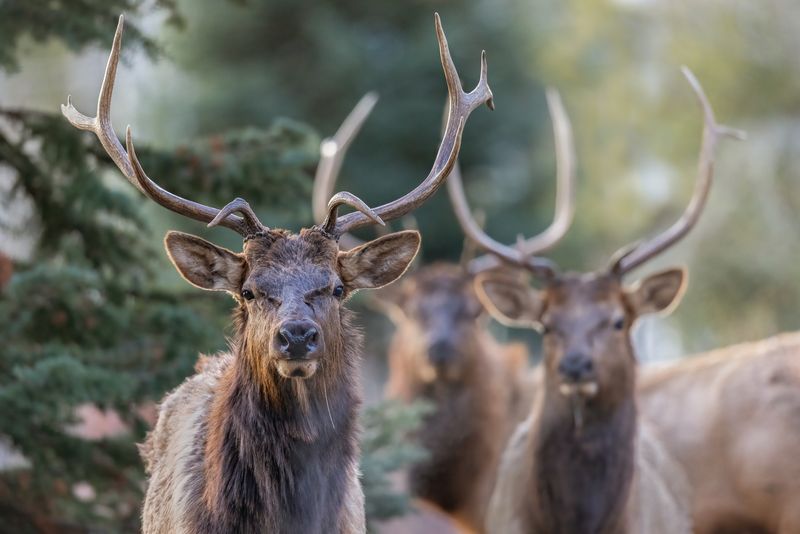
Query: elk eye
{"x": 619, "y": 324}
{"x": 247, "y": 294}
{"x": 338, "y": 291}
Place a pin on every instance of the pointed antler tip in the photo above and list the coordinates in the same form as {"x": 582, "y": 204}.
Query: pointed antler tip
{"x": 733, "y": 133}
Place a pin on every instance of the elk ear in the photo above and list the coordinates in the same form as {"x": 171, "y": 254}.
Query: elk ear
{"x": 378, "y": 262}
{"x": 659, "y": 292}
{"x": 510, "y": 299}
{"x": 204, "y": 264}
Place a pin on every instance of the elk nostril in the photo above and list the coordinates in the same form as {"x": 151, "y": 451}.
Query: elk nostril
{"x": 312, "y": 336}
{"x": 283, "y": 337}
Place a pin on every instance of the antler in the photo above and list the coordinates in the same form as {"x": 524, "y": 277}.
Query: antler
{"x": 132, "y": 169}
{"x": 332, "y": 153}
{"x": 524, "y": 252}
{"x": 461, "y": 104}
{"x": 630, "y": 257}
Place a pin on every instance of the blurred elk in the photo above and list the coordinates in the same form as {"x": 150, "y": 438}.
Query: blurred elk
{"x": 264, "y": 437}
{"x": 584, "y": 461}
{"x": 442, "y": 351}
{"x": 731, "y": 417}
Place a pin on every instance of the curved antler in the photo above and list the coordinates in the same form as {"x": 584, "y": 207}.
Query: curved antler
{"x": 461, "y": 104}
{"x": 630, "y": 257}
{"x": 332, "y": 153}
{"x": 525, "y": 250}
{"x": 129, "y": 164}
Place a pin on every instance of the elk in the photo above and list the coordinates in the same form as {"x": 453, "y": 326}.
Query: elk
{"x": 442, "y": 351}
{"x": 584, "y": 461}
{"x": 264, "y": 436}
{"x": 731, "y": 417}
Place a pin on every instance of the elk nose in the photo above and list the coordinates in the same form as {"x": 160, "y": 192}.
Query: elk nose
{"x": 441, "y": 351}
{"x": 297, "y": 339}
{"x": 576, "y": 367}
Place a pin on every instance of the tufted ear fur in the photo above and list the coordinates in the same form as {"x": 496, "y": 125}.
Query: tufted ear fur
{"x": 659, "y": 292}
{"x": 204, "y": 264}
{"x": 378, "y": 262}
{"x": 510, "y": 299}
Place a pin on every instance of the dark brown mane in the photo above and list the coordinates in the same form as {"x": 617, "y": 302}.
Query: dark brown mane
{"x": 581, "y": 481}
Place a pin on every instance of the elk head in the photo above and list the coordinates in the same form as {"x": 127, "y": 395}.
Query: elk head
{"x": 290, "y": 287}
{"x": 586, "y": 318}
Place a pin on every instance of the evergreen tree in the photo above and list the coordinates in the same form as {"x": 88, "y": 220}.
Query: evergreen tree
{"x": 86, "y": 324}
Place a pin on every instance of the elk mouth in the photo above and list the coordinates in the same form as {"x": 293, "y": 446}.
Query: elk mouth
{"x": 296, "y": 368}
{"x": 586, "y": 388}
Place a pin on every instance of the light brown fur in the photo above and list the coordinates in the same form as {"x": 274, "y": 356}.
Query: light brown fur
{"x": 731, "y": 417}
{"x": 586, "y": 462}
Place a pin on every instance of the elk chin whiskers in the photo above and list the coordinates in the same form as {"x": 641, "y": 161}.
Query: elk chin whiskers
{"x": 297, "y": 369}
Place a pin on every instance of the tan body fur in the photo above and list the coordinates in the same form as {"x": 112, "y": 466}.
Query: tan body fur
{"x": 731, "y": 417}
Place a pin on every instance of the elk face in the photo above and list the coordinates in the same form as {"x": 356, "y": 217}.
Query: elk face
{"x": 586, "y": 321}
{"x": 290, "y": 289}
{"x": 437, "y": 311}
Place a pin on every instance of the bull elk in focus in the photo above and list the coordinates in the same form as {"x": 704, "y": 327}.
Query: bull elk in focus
{"x": 442, "y": 351}
{"x": 584, "y": 460}
{"x": 264, "y": 437}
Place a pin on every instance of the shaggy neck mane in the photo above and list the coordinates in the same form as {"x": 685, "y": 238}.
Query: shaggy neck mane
{"x": 581, "y": 479}
{"x": 275, "y": 451}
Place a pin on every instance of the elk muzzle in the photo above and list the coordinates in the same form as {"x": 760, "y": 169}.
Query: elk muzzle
{"x": 577, "y": 375}
{"x": 298, "y": 344}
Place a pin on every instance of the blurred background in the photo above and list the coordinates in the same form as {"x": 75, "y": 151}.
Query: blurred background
{"x": 231, "y": 98}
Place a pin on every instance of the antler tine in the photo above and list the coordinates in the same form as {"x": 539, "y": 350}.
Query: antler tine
{"x": 332, "y": 153}
{"x": 101, "y": 124}
{"x": 461, "y": 104}
{"x": 539, "y": 266}
{"x": 636, "y": 256}
{"x": 565, "y": 179}
{"x": 127, "y": 162}
{"x": 343, "y": 198}
{"x": 565, "y": 191}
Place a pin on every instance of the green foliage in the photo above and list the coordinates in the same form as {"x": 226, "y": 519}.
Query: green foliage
{"x": 77, "y": 25}
{"x": 85, "y": 320}
{"x": 386, "y": 448}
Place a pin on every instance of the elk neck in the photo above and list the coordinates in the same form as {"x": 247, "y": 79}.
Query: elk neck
{"x": 271, "y": 443}
{"x": 461, "y": 434}
{"x": 582, "y": 477}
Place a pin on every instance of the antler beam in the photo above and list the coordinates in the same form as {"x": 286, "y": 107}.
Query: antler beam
{"x": 629, "y": 258}
{"x": 128, "y": 163}
{"x": 525, "y": 250}
{"x": 460, "y": 105}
